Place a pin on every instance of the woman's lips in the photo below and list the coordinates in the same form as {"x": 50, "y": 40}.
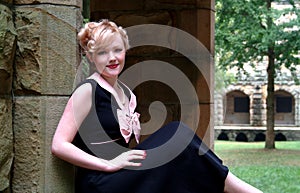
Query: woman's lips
{"x": 112, "y": 66}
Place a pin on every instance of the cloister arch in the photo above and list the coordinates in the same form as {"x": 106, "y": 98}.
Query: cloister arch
{"x": 284, "y": 108}
{"x": 237, "y": 108}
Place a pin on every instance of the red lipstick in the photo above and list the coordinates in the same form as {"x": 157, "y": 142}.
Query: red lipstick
{"x": 112, "y": 66}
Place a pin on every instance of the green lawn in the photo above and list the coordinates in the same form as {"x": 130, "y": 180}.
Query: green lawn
{"x": 272, "y": 171}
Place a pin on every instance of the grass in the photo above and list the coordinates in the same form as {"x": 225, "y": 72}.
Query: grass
{"x": 272, "y": 171}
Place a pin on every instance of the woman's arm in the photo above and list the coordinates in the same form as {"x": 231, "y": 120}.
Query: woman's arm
{"x": 235, "y": 185}
{"x": 75, "y": 112}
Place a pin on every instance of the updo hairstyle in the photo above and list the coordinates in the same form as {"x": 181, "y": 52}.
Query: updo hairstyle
{"x": 97, "y": 35}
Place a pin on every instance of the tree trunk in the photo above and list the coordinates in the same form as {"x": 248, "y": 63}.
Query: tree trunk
{"x": 270, "y": 134}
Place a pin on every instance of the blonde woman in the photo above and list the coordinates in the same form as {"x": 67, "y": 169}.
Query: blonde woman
{"x": 100, "y": 119}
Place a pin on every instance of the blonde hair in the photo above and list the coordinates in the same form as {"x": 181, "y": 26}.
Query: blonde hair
{"x": 96, "y": 35}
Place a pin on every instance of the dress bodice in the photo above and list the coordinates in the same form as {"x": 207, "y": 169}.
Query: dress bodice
{"x": 194, "y": 168}
{"x": 99, "y": 134}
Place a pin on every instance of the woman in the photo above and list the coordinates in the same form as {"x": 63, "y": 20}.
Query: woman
{"x": 100, "y": 119}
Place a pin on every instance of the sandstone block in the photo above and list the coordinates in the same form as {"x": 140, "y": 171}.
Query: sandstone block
{"x": 48, "y": 51}
{"x": 7, "y": 49}
{"x": 131, "y": 19}
{"x": 106, "y": 5}
{"x": 169, "y": 4}
{"x": 76, "y": 3}
{"x": 35, "y": 169}
{"x": 6, "y": 142}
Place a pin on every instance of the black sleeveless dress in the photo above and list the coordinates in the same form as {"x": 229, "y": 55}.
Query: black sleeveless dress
{"x": 177, "y": 161}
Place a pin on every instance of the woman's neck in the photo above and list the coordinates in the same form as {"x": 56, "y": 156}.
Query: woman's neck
{"x": 112, "y": 81}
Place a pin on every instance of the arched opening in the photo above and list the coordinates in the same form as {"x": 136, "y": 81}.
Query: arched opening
{"x": 284, "y": 108}
{"x": 280, "y": 137}
{"x": 260, "y": 137}
{"x": 223, "y": 136}
{"x": 237, "y": 105}
{"x": 241, "y": 137}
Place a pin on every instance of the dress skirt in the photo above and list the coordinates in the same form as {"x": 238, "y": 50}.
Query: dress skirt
{"x": 177, "y": 162}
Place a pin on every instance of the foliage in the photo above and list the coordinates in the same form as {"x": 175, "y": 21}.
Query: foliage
{"x": 246, "y": 29}
{"x": 223, "y": 79}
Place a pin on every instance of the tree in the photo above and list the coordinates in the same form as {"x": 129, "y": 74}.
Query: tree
{"x": 252, "y": 30}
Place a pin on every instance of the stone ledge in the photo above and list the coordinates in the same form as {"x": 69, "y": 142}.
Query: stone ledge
{"x": 248, "y": 133}
{"x": 263, "y": 128}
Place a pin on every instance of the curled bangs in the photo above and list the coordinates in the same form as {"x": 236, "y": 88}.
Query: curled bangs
{"x": 104, "y": 40}
{"x": 95, "y": 36}
{"x": 106, "y": 36}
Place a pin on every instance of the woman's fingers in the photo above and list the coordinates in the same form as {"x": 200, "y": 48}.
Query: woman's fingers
{"x": 128, "y": 159}
{"x": 140, "y": 153}
{"x": 134, "y": 155}
{"x": 134, "y": 164}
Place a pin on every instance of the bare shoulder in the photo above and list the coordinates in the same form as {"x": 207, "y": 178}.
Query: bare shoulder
{"x": 84, "y": 90}
{"x": 82, "y": 96}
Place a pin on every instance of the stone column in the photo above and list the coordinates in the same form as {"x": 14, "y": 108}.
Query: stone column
{"x": 7, "y": 52}
{"x": 256, "y": 108}
{"x": 205, "y": 33}
{"x": 218, "y": 109}
{"x": 297, "y": 109}
{"x": 45, "y": 63}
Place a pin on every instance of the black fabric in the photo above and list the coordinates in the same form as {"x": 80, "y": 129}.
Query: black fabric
{"x": 184, "y": 163}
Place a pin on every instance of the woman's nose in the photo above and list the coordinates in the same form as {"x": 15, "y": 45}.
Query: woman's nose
{"x": 112, "y": 56}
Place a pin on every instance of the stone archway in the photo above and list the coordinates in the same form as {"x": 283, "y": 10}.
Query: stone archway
{"x": 284, "y": 108}
{"x": 237, "y": 108}
{"x": 175, "y": 14}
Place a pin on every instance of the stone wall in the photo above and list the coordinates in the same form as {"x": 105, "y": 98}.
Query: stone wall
{"x": 7, "y": 53}
{"x": 252, "y": 133}
{"x": 257, "y": 107}
{"x": 39, "y": 59}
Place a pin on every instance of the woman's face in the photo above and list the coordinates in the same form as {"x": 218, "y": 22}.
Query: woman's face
{"x": 110, "y": 60}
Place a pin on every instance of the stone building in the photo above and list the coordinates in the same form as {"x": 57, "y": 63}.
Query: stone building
{"x": 40, "y": 62}
{"x": 243, "y": 105}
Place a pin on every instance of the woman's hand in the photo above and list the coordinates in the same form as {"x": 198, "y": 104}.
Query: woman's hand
{"x": 126, "y": 159}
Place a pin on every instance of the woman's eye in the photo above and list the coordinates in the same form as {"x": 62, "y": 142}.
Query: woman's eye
{"x": 101, "y": 53}
{"x": 118, "y": 50}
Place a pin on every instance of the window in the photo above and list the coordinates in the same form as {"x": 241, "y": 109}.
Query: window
{"x": 241, "y": 104}
{"x": 284, "y": 104}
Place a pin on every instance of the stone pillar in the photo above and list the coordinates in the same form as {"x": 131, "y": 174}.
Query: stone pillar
{"x": 7, "y": 52}
{"x": 264, "y": 105}
{"x": 297, "y": 109}
{"x": 218, "y": 109}
{"x": 35, "y": 169}
{"x": 205, "y": 33}
{"x": 256, "y": 108}
{"x": 45, "y": 69}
